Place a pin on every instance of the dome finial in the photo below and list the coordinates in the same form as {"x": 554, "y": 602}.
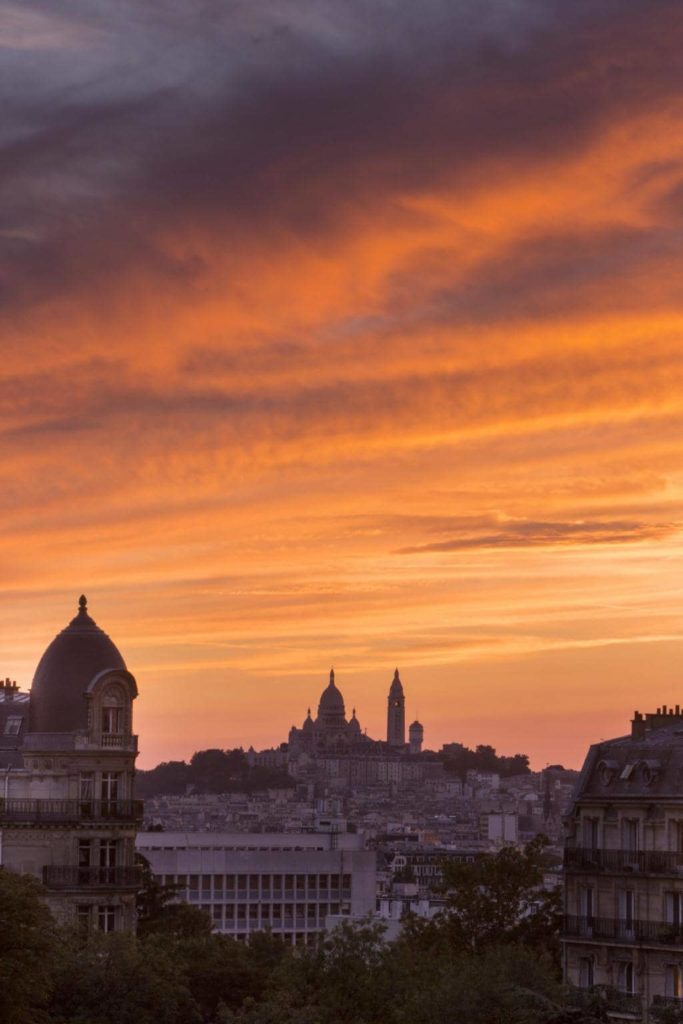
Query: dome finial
{"x": 83, "y": 604}
{"x": 396, "y": 674}
{"x": 331, "y": 677}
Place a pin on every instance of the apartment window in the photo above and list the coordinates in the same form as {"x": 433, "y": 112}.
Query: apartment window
{"x": 108, "y": 855}
{"x": 106, "y": 919}
{"x": 625, "y": 977}
{"x": 112, "y": 721}
{"x": 586, "y": 973}
{"x": 13, "y": 725}
{"x": 113, "y": 712}
{"x": 626, "y": 908}
{"x": 673, "y": 902}
{"x": 590, "y": 833}
{"x": 84, "y": 852}
{"x": 87, "y": 787}
{"x": 206, "y": 884}
{"x": 586, "y": 903}
{"x": 218, "y": 885}
{"x": 110, "y": 787}
{"x": 629, "y": 834}
{"x": 673, "y": 981}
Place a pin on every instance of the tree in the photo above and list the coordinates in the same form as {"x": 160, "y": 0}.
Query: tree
{"x": 28, "y": 948}
{"x": 499, "y": 898}
{"x": 116, "y": 979}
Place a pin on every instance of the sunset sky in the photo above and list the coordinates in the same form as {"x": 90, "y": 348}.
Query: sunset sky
{"x": 347, "y": 332}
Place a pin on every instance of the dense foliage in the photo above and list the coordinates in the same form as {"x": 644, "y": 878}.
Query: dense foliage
{"x": 459, "y": 759}
{"x": 209, "y": 771}
{"x": 478, "y": 963}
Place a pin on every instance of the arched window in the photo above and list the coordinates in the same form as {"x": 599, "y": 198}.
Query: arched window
{"x": 113, "y": 712}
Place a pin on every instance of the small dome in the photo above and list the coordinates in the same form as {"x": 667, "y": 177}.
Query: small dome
{"x": 331, "y": 700}
{"x": 73, "y": 659}
{"x": 415, "y": 725}
{"x": 308, "y": 723}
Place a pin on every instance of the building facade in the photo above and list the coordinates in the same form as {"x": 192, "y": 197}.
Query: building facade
{"x": 67, "y": 813}
{"x": 623, "y": 929}
{"x": 288, "y": 884}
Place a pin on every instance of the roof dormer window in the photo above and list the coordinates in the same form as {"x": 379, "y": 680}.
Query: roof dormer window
{"x": 13, "y": 725}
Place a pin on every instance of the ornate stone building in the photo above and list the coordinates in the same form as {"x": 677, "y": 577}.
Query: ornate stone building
{"x": 330, "y": 730}
{"x": 623, "y": 930}
{"x": 67, "y": 761}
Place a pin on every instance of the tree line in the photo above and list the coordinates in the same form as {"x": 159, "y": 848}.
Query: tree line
{"x": 210, "y": 771}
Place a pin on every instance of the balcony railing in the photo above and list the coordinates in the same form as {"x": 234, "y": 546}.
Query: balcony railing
{"x": 654, "y": 862}
{"x": 61, "y": 811}
{"x": 68, "y": 877}
{"x": 664, "y": 933}
{"x": 676, "y": 1001}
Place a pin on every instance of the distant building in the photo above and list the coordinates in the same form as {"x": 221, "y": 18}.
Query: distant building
{"x": 330, "y": 735}
{"x": 67, "y": 757}
{"x": 623, "y": 928}
{"x": 415, "y": 738}
{"x": 288, "y": 883}
{"x": 330, "y": 730}
{"x": 396, "y": 714}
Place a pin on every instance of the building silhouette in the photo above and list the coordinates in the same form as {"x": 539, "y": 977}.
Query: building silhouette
{"x": 396, "y": 713}
{"x": 67, "y": 760}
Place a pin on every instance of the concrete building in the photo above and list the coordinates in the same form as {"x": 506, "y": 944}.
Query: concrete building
{"x": 67, "y": 761}
{"x": 624, "y": 868}
{"x": 289, "y": 884}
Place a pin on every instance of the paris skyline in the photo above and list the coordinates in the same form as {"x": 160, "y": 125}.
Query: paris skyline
{"x": 342, "y": 334}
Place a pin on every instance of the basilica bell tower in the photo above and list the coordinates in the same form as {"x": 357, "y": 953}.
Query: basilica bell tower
{"x": 396, "y": 714}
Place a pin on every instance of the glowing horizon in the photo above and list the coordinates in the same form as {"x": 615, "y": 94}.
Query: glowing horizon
{"x": 348, "y": 334}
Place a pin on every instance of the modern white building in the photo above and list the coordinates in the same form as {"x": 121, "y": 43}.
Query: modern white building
{"x": 285, "y": 883}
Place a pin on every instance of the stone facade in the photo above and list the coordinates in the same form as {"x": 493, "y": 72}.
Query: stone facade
{"x": 623, "y": 928}
{"x": 67, "y": 813}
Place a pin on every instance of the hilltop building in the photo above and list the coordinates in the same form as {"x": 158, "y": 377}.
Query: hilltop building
{"x": 67, "y": 759}
{"x": 330, "y": 732}
{"x": 623, "y": 929}
{"x": 396, "y": 714}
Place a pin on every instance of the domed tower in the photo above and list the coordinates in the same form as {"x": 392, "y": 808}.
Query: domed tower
{"x": 354, "y": 730}
{"x": 331, "y": 712}
{"x": 396, "y": 713}
{"x": 76, "y": 796}
{"x": 415, "y": 737}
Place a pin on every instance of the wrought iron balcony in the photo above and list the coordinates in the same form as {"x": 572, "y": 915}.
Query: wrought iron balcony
{"x": 622, "y": 931}
{"x": 647, "y": 862}
{"x": 676, "y": 1001}
{"x": 68, "y": 811}
{"x": 66, "y": 876}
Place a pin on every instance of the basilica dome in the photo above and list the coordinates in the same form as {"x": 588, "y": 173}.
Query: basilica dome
{"x": 331, "y": 700}
{"x": 76, "y": 656}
